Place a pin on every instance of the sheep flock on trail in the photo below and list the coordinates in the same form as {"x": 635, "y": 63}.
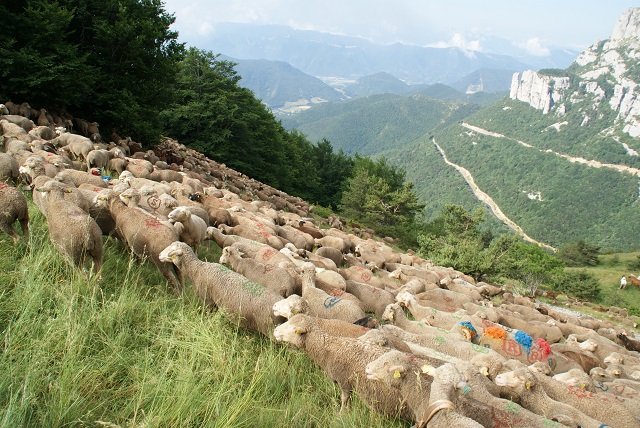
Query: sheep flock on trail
{"x": 411, "y": 339}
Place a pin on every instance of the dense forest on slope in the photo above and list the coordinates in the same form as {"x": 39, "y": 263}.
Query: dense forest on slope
{"x": 376, "y": 123}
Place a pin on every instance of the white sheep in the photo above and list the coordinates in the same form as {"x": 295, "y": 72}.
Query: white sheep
{"x": 145, "y": 235}
{"x": 243, "y": 301}
{"x": 191, "y": 229}
{"x": 72, "y": 231}
{"x": 14, "y": 207}
{"x": 344, "y": 360}
{"x": 275, "y": 278}
{"x": 325, "y": 305}
{"x": 541, "y": 393}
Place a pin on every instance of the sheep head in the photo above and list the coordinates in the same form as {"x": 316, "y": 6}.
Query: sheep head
{"x": 389, "y": 313}
{"x": 614, "y": 358}
{"x": 228, "y": 253}
{"x": 390, "y": 368}
{"x": 179, "y": 214}
{"x": 173, "y": 252}
{"x": 292, "y": 331}
{"x": 290, "y": 306}
{"x": 405, "y": 298}
{"x": 518, "y": 380}
{"x": 574, "y": 377}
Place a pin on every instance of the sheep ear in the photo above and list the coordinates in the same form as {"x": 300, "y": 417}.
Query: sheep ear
{"x": 68, "y": 190}
{"x": 299, "y": 330}
{"x": 527, "y": 385}
{"x": 426, "y": 368}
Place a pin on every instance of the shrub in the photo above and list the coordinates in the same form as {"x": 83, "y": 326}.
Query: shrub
{"x": 580, "y": 284}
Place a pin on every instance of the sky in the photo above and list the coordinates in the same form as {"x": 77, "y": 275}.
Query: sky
{"x": 535, "y": 26}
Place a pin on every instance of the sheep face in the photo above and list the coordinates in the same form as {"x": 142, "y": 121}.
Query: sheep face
{"x": 180, "y": 214}
{"x": 589, "y": 345}
{"x": 405, "y": 298}
{"x": 515, "y": 380}
{"x": 289, "y": 307}
{"x": 389, "y": 368}
{"x": 101, "y": 200}
{"x": 290, "y": 333}
{"x": 228, "y": 253}
{"x": 614, "y": 358}
{"x": 130, "y": 195}
{"x": 389, "y": 312}
{"x": 173, "y": 252}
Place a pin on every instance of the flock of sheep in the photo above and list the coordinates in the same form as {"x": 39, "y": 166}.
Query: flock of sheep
{"x": 410, "y": 338}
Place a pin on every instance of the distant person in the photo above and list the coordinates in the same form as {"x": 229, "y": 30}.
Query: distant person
{"x": 623, "y": 282}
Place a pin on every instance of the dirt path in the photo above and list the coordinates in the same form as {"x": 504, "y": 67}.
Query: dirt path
{"x": 591, "y": 163}
{"x": 482, "y": 196}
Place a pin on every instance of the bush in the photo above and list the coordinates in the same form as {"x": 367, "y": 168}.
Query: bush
{"x": 634, "y": 264}
{"x": 580, "y": 284}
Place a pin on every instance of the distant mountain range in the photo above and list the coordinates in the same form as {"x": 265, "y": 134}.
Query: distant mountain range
{"x": 279, "y": 65}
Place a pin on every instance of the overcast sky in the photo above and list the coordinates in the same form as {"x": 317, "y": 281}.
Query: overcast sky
{"x": 535, "y": 25}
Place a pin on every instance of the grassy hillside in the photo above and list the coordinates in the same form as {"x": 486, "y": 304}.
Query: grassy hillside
{"x": 377, "y": 123}
{"x": 124, "y": 351}
{"x": 608, "y": 273}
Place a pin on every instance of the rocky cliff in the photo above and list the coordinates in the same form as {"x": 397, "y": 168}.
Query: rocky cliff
{"x": 606, "y": 75}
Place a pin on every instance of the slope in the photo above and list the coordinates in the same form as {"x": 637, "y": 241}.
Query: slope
{"x": 376, "y": 123}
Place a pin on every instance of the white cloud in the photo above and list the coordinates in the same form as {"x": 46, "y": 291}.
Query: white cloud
{"x": 458, "y": 40}
{"x": 534, "y": 47}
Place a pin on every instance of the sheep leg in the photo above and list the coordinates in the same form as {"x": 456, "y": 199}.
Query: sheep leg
{"x": 24, "y": 224}
{"x": 345, "y": 399}
{"x": 9, "y": 231}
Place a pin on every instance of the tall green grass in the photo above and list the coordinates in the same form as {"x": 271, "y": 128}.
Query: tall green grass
{"x": 123, "y": 351}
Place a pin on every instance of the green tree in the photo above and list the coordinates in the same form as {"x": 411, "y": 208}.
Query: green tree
{"x": 579, "y": 254}
{"x": 528, "y": 263}
{"x": 211, "y": 113}
{"x": 378, "y": 196}
{"x": 39, "y": 63}
{"x": 458, "y": 243}
{"x": 580, "y": 284}
{"x": 113, "y": 61}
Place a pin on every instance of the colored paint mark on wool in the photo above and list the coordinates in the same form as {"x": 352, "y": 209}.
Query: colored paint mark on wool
{"x": 524, "y": 340}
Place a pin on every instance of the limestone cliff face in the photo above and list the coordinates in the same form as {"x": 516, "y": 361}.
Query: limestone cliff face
{"x": 612, "y": 63}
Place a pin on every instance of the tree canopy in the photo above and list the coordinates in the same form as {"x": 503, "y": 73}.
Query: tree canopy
{"x": 111, "y": 61}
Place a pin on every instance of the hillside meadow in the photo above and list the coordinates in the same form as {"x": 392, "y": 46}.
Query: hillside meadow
{"x": 608, "y": 273}
{"x": 124, "y": 351}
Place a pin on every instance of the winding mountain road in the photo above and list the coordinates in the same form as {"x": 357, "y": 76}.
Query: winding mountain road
{"x": 482, "y": 196}
{"x": 591, "y": 163}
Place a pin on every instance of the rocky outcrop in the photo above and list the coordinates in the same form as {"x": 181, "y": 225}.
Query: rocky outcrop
{"x": 607, "y": 60}
{"x": 541, "y": 92}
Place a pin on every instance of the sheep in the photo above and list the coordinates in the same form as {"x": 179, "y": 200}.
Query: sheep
{"x": 455, "y": 342}
{"x": 273, "y": 277}
{"x": 544, "y": 394}
{"x": 334, "y": 242}
{"x": 82, "y": 177}
{"x": 331, "y": 253}
{"x": 191, "y": 229}
{"x": 98, "y": 158}
{"x": 9, "y": 168}
{"x": 323, "y": 304}
{"x": 21, "y": 121}
{"x": 431, "y": 399}
{"x": 13, "y": 207}
{"x": 344, "y": 360}
{"x": 43, "y": 133}
{"x": 75, "y": 144}
{"x": 372, "y": 299}
{"x": 253, "y": 234}
{"x": 296, "y": 237}
{"x": 428, "y": 391}
{"x": 143, "y": 234}
{"x": 293, "y": 305}
{"x": 242, "y": 300}
{"x": 72, "y": 231}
